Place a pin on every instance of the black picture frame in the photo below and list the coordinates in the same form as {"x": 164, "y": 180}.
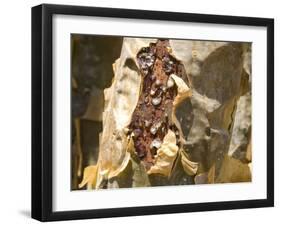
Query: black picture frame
{"x": 42, "y": 107}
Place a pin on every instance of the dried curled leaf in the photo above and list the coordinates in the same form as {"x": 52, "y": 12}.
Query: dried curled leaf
{"x": 189, "y": 167}
{"x": 183, "y": 90}
{"x": 89, "y": 177}
{"x": 166, "y": 155}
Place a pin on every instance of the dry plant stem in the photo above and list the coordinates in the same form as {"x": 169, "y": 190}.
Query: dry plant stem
{"x": 79, "y": 149}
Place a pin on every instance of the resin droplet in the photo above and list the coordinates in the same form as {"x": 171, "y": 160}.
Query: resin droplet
{"x": 156, "y": 143}
{"x": 156, "y": 101}
{"x": 170, "y": 82}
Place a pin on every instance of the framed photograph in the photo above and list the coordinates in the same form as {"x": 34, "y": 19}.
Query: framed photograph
{"x": 146, "y": 112}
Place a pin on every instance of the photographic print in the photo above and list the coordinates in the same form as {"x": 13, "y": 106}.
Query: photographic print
{"x": 139, "y": 112}
{"x": 152, "y": 112}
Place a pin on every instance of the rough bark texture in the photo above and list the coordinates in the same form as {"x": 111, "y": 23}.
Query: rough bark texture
{"x": 153, "y": 116}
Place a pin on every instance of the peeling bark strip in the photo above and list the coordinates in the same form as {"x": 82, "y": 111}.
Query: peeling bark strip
{"x": 152, "y": 117}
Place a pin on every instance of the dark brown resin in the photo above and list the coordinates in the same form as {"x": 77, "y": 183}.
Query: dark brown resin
{"x": 152, "y": 116}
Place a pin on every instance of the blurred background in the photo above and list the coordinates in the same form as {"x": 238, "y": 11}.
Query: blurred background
{"x": 92, "y": 59}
